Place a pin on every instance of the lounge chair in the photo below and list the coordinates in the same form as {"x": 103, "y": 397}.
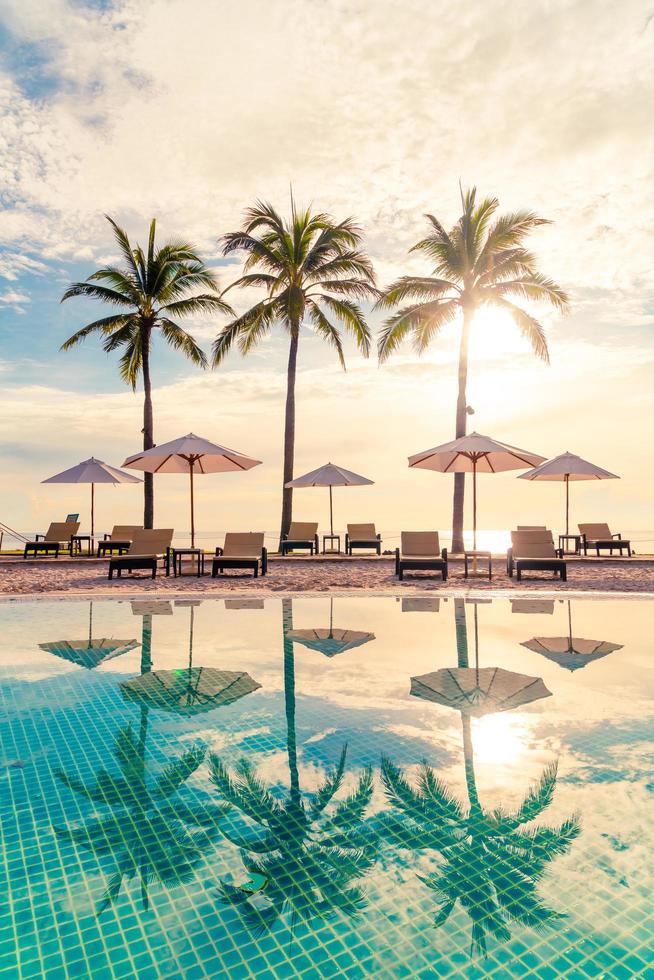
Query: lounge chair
{"x": 534, "y": 551}
{"x": 420, "y": 551}
{"x": 241, "y": 550}
{"x": 146, "y": 550}
{"x": 302, "y": 536}
{"x": 119, "y": 540}
{"x": 599, "y": 537}
{"x": 58, "y": 535}
{"x": 362, "y": 536}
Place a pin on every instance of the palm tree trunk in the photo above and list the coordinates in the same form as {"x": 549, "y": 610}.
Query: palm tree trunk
{"x": 461, "y": 426}
{"x": 463, "y": 660}
{"x": 148, "y": 431}
{"x": 289, "y": 699}
{"x": 289, "y": 434}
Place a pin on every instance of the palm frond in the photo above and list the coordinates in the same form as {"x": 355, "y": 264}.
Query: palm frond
{"x": 329, "y": 786}
{"x": 529, "y": 327}
{"x": 176, "y": 773}
{"x": 107, "y": 324}
{"x": 352, "y": 318}
{"x": 93, "y": 291}
{"x": 179, "y": 339}
{"x": 326, "y": 329}
{"x": 417, "y": 288}
{"x": 532, "y": 286}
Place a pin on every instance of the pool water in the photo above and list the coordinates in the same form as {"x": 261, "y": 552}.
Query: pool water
{"x": 316, "y": 787}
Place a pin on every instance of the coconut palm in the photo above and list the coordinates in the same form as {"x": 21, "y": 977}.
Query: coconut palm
{"x": 491, "y": 861}
{"x": 314, "y": 273}
{"x": 147, "y": 832}
{"x": 151, "y": 290}
{"x": 481, "y": 261}
{"x": 307, "y": 850}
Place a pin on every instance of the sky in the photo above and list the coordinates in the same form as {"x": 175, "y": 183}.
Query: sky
{"x": 375, "y": 110}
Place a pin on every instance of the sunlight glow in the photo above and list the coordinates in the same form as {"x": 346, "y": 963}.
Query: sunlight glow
{"x": 494, "y": 335}
{"x": 499, "y": 738}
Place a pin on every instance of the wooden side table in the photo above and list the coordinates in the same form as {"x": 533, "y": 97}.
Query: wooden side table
{"x": 76, "y": 542}
{"x": 332, "y": 538}
{"x": 486, "y": 555}
{"x": 179, "y": 553}
{"x": 576, "y": 540}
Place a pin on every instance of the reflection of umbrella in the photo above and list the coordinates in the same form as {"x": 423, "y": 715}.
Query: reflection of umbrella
{"x": 92, "y": 471}
{"x": 190, "y": 454}
{"x": 330, "y": 641}
{"x": 91, "y": 652}
{"x": 330, "y": 476}
{"x": 571, "y": 651}
{"x": 189, "y": 690}
{"x": 477, "y": 690}
{"x": 474, "y": 454}
{"x": 564, "y": 468}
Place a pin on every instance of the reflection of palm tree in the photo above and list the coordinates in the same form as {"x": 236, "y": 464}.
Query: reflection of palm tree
{"x": 306, "y": 854}
{"x": 492, "y": 860}
{"x": 147, "y": 833}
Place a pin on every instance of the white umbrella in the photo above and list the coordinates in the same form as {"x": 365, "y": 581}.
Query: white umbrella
{"x": 330, "y": 476}
{"x": 190, "y": 454}
{"x": 564, "y": 468}
{"x": 474, "y": 454}
{"x": 92, "y": 471}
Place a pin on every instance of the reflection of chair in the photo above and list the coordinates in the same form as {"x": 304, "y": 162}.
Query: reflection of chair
{"x": 534, "y": 551}
{"x": 146, "y": 550}
{"x": 599, "y": 537}
{"x": 420, "y": 604}
{"x": 362, "y": 536}
{"x": 119, "y": 540}
{"x": 302, "y": 536}
{"x": 59, "y": 533}
{"x": 241, "y": 550}
{"x": 420, "y": 551}
{"x": 544, "y": 607}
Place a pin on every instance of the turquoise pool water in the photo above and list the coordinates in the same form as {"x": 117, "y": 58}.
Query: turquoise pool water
{"x": 359, "y": 787}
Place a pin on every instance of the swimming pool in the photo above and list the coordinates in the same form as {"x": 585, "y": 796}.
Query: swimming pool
{"x": 326, "y": 787}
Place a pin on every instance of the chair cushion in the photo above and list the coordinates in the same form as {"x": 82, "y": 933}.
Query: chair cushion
{"x": 302, "y": 530}
{"x": 362, "y": 532}
{"x": 595, "y": 532}
{"x": 420, "y": 544}
{"x": 247, "y": 544}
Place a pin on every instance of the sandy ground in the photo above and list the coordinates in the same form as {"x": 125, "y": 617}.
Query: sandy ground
{"x": 83, "y": 576}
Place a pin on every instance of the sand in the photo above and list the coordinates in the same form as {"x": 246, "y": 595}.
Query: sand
{"x": 89, "y": 576}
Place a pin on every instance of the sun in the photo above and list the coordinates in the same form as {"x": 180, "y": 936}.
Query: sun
{"x": 494, "y": 334}
{"x": 499, "y": 738}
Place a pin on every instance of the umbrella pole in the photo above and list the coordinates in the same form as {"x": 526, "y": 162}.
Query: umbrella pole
{"x": 92, "y": 512}
{"x": 331, "y": 512}
{"x": 474, "y": 515}
{"x": 567, "y": 504}
{"x": 192, "y": 505}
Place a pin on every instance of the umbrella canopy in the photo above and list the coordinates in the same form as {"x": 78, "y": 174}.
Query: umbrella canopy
{"x": 563, "y": 469}
{"x": 190, "y": 454}
{"x": 571, "y": 651}
{"x": 92, "y": 471}
{"x": 330, "y": 475}
{"x": 91, "y": 652}
{"x": 474, "y": 454}
{"x": 189, "y": 691}
{"x": 479, "y": 690}
{"x": 332, "y": 641}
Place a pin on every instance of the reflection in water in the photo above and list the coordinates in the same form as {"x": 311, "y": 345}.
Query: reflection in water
{"x": 148, "y": 832}
{"x": 332, "y": 641}
{"x": 92, "y": 651}
{"x": 490, "y": 860}
{"x": 305, "y": 853}
{"x": 571, "y": 651}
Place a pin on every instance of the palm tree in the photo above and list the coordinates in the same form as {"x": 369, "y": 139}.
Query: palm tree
{"x": 314, "y": 272}
{"x": 151, "y": 290}
{"x": 481, "y": 262}
{"x": 491, "y": 860}
{"x": 307, "y": 851}
{"x": 146, "y": 833}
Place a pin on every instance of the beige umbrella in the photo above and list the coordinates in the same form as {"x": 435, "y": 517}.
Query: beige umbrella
{"x": 190, "y": 454}
{"x": 330, "y": 476}
{"x": 477, "y": 690}
{"x": 332, "y": 641}
{"x": 474, "y": 454}
{"x": 565, "y": 468}
{"x": 92, "y": 471}
{"x": 571, "y": 651}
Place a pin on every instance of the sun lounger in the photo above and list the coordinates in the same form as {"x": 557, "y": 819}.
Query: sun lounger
{"x": 241, "y": 550}
{"x": 420, "y": 551}
{"x": 362, "y": 536}
{"x": 302, "y": 536}
{"x": 534, "y": 551}
{"x": 599, "y": 537}
{"x": 119, "y": 540}
{"x": 58, "y": 535}
{"x": 146, "y": 550}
